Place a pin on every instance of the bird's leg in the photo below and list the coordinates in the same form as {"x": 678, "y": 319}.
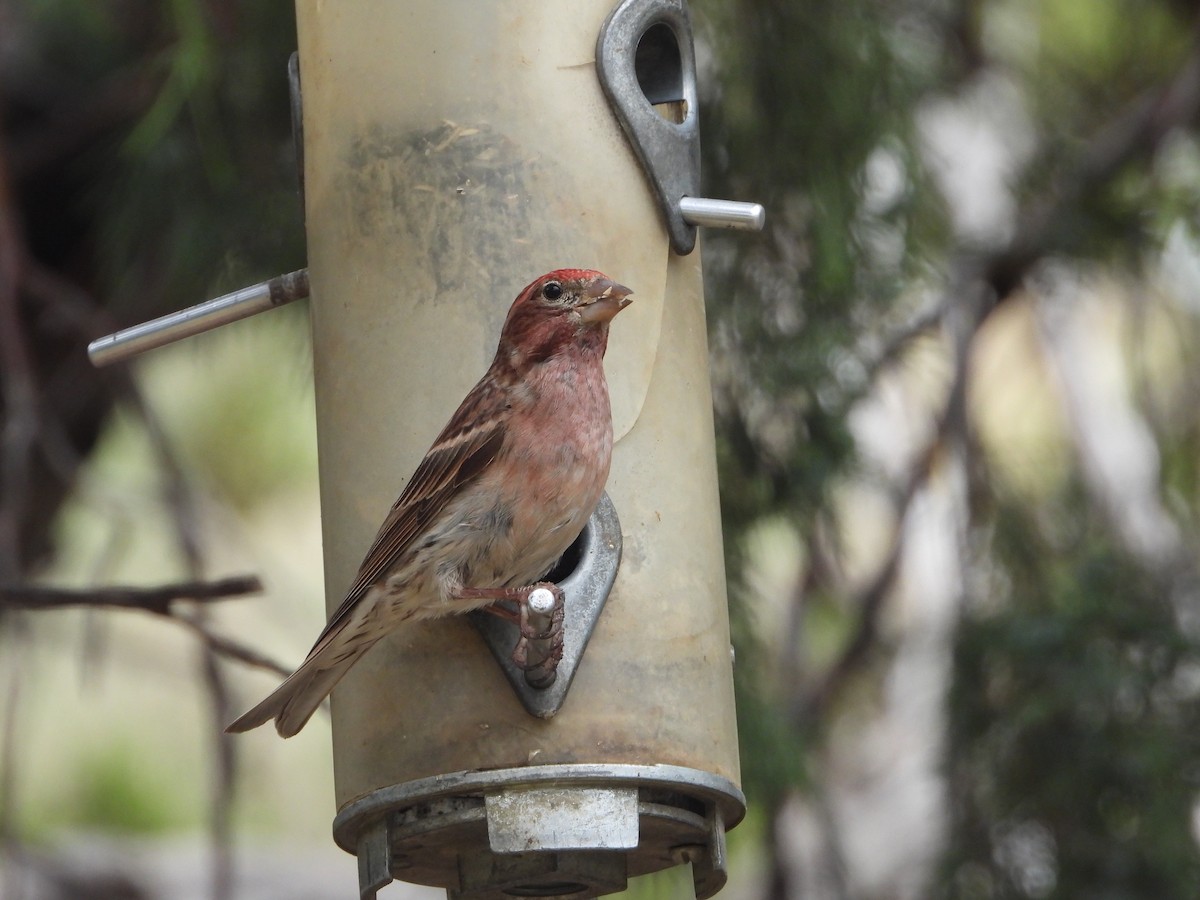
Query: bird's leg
{"x": 501, "y": 599}
{"x": 539, "y": 615}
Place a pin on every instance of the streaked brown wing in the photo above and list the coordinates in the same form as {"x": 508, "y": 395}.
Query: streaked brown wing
{"x": 456, "y": 459}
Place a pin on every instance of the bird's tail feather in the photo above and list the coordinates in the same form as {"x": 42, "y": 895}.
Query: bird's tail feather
{"x": 292, "y": 704}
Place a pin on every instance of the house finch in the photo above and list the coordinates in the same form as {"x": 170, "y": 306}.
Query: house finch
{"x": 501, "y": 494}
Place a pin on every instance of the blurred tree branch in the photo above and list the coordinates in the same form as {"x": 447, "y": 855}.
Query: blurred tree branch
{"x": 783, "y": 306}
{"x": 87, "y": 245}
{"x": 991, "y": 279}
{"x": 1134, "y": 133}
{"x": 156, "y": 599}
{"x": 160, "y": 600}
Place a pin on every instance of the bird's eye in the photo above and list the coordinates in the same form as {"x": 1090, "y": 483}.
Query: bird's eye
{"x": 552, "y": 290}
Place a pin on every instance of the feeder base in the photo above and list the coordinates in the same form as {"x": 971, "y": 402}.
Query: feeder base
{"x": 576, "y": 831}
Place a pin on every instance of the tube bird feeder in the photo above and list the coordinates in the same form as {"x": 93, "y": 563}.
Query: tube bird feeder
{"x": 451, "y": 151}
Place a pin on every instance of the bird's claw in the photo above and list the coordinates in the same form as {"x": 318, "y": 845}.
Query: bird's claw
{"x": 540, "y": 646}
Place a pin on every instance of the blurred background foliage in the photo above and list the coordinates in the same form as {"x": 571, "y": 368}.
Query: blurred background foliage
{"x": 958, "y": 436}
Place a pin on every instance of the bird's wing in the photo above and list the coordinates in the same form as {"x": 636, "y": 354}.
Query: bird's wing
{"x": 459, "y": 456}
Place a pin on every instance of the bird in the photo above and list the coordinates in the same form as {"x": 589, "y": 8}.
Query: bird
{"x": 505, "y": 489}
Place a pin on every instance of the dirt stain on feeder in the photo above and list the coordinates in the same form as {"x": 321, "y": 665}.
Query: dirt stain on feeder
{"x": 455, "y": 194}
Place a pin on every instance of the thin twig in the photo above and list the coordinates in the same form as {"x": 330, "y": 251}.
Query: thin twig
{"x": 230, "y": 648}
{"x": 224, "y": 778}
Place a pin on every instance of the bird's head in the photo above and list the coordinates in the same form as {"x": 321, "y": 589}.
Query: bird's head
{"x": 563, "y": 309}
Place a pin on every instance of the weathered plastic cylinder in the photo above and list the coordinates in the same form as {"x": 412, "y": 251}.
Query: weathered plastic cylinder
{"x": 454, "y": 150}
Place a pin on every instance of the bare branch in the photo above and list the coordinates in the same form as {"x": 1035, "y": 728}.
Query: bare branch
{"x": 871, "y": 600}
{"x": 157, "y": 599}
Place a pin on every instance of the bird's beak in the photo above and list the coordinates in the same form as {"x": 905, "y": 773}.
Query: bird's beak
{"x": 602, "y": 300}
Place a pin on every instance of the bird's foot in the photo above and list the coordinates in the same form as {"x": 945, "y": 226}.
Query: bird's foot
{"x": 540, "y": 647}
{"x": 537, "y": 611}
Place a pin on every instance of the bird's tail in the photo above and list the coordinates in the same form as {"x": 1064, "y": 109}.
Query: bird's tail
{"x": 292, "y": 704}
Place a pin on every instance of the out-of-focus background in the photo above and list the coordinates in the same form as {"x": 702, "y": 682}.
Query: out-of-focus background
{"x": 958, "y": 420}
